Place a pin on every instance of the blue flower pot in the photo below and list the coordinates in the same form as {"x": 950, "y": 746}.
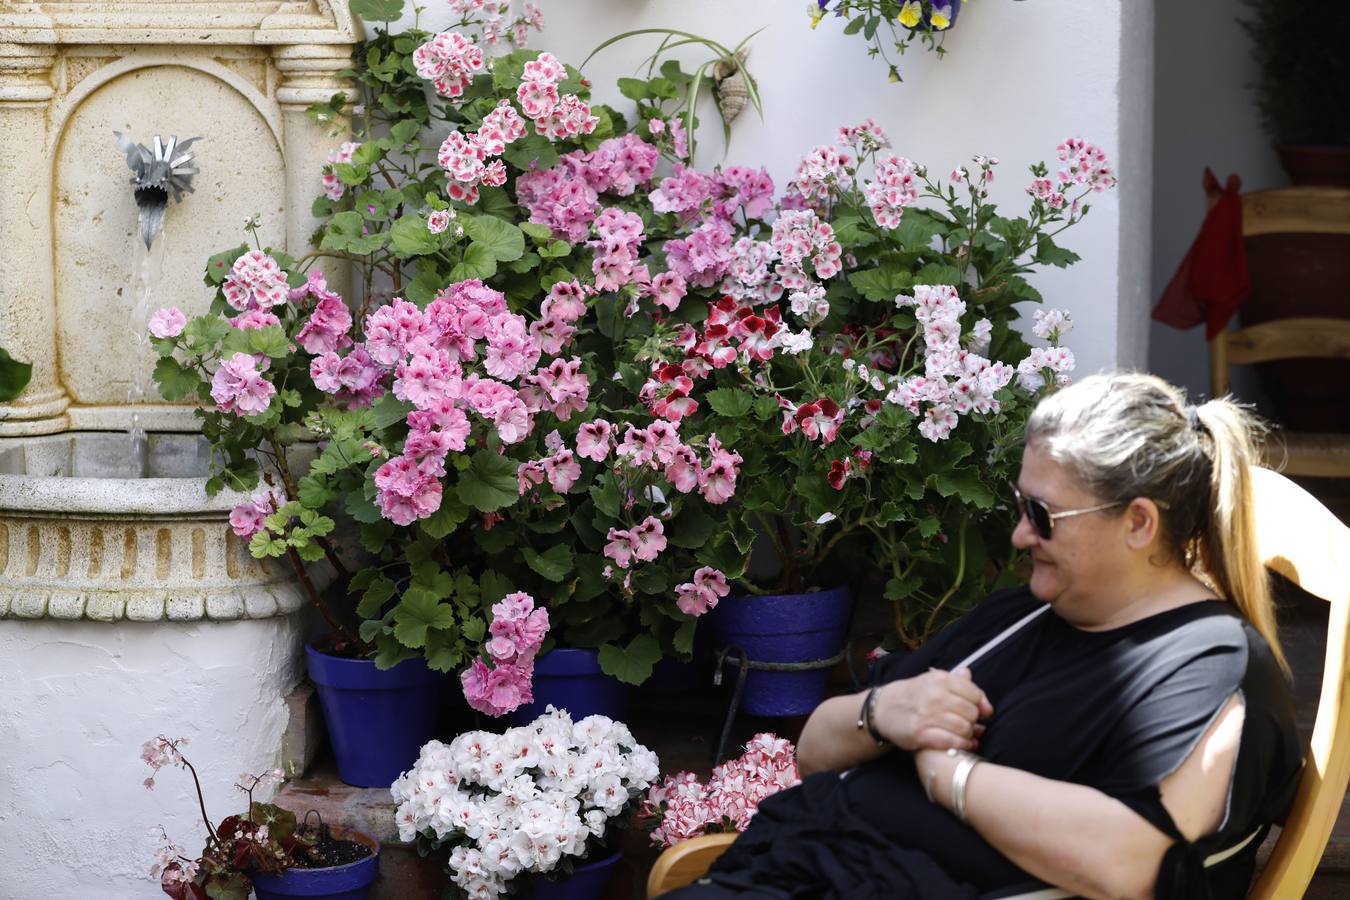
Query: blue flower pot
{"x": 573, "y": 680}
{"x": 784, "y": 628}
{"x": 377, "y": 720}
{"x": 349, "y": 882}
{"x": 587, "y": 882}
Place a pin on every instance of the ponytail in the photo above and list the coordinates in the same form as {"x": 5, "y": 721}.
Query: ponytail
{"x": 1227, "y": 548}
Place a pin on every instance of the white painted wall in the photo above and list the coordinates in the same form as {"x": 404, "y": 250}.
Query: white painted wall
{"x": 1204, "y": 115}
{"x": 1018, "y": 79}
{"x": 77, "y": 700}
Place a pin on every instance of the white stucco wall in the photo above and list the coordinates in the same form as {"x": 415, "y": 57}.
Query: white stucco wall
{"x": 77, "y": 700}
{"x": 1204, "y": 116}
{"x": 1018, "y": 79}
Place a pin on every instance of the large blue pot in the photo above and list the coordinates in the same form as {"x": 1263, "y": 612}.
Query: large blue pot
{"x": 377, "y": 720}
{"x": 784, "y": 628}
{"x": 573, "y": 680}
{"x": 349, "y": 882}
{"x": 586, "y": 882}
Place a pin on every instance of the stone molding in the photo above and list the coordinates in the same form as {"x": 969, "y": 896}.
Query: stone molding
{"x": 268, "y": 22}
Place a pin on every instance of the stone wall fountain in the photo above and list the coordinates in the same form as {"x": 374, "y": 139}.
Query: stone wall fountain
{"x": 127, "y": 606}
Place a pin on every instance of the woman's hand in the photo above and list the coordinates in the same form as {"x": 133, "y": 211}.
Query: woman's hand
{"x": 935, "y": 710}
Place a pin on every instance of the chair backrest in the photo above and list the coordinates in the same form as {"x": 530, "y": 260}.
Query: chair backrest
{"x": 1294, "y": 210}
{"x": 1301, "y": 539}
{"x": 1296, "y": 338}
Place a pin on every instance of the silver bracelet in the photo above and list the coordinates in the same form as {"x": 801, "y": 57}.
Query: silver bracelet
{"x": 960, "y": 775}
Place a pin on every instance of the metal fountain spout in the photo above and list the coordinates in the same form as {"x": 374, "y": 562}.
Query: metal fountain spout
{"x": 155, "y": 175}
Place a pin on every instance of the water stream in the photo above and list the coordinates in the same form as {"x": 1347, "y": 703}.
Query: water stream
{"x": 147, "y": 270}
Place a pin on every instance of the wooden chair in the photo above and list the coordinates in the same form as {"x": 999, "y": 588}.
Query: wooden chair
{"x": 1299, "y": 538}
{"x": 1298, "y": 210}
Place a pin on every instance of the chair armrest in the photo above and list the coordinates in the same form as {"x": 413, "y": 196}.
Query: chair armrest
{"x": 686, "y": 862}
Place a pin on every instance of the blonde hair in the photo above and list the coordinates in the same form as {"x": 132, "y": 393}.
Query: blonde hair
{"x": 1129, "y": 435}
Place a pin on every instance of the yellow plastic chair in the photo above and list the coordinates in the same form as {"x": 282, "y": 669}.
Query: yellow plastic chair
{"x": 1300, "y": 539}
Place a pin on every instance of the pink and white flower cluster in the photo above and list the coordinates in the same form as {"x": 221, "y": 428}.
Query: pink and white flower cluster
{"x": 466, "y": 157}
{"x": 555, "y": 116}
{"x": 893, "y": 187}
{"x": 238, "y": 386}
{"x": 159, "y": 752}
{"x": 956, "y": 381}
{"x": 167, "y": 323}
{"x": 684, "y": 807}
{"x": 449, "y": 61}
{"x": 517, "y": 631}
{"x": 255, "y": 282}
{"x": 1053, "y": 363}
{"x": 333, "y": 186}
{"x": 522, "y": 801}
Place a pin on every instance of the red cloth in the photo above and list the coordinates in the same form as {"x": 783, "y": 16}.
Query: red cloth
{"x": 1212, "y": 279}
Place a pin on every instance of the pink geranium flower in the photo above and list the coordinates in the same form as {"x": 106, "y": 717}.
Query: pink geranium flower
{"x": 167, "y": 323}
{"x": 239, "y": 387}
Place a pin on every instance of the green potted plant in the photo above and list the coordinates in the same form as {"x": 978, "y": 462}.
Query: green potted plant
{"x": 1303, "y": 88}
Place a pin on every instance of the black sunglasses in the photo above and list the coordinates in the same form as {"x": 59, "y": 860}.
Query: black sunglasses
{"x": 1043, "y": 520}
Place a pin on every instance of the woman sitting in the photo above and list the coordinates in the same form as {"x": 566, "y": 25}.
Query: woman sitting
{"x": 1129, "y": 707}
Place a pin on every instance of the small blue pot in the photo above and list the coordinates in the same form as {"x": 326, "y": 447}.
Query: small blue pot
{"x": 784, "y": 628}
{"x": 586, "y": 882}
{"x": 349, "y": 882}
{"x": 377, "y": 720}
{"x": 572, "y": 679}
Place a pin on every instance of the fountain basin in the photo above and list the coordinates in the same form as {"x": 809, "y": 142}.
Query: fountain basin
{"x": 84, "y": 536}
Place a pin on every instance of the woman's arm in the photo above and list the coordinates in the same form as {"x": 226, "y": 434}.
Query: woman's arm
{"x": 936, "y": 709}
{"x": 1080, "y": 839}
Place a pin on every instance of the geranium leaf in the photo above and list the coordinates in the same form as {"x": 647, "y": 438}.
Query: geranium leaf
{"x": 554, "y": 563}
{"x": 504, "y": 240}
{"x": 479, "y": 262}
{"x": 489, "y": 483}
{"x": 632, "y": 664}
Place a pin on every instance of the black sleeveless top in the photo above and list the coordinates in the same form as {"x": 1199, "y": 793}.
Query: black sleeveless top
{"x": 1114, "y": 710}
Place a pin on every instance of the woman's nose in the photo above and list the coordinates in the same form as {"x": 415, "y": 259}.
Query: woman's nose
{"x": 1024, "y": 537}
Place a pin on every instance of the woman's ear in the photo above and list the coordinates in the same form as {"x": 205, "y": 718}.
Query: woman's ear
{"x": 1143, "y": 523}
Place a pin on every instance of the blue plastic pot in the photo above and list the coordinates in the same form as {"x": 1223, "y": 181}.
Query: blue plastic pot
{"x": 573, "y": 680}
{"x": 784, "y": 628}
{"x": 349, "y": 882}
{"x": 586, "y": 882}
{"x": 377, "y": 720}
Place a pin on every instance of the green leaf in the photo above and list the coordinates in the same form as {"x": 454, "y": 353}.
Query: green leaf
{"x": 375, "y": 596}
{"x": 423, "y": 289}
{"x": 632, "y": 664}
{"x": 363, "y": 510}
{"x": 634, "y": 88}
{"x": 538, "y": 233}
{"x": 534, "y": 150}
{"x": 479, "y": 262}
{"x": 730, "y": 402}
{"x": 270, "y": 341}
{"x": 390, "y": 410}
{"x": 489, "y": 483}
{"x": 1050, "y": 253}
{"x": 378, "y": 10}
{"x": 493, "y": 586}
{"x": 855, "y": 25}
{"x": 409, "y": 237}
{"x": 346, "y": 232}
{"x": 174, "y": 380}
{"x": 965, "y": 483}
{"x": 882, "y": 284}
{"x": 444, "y": 520}
{"x": 938, "y": 273}
{"x": 691, "y": 528}
{"x": 404, "y": 130}
{"x": 14, "y": 376}
{"x": 504, "y": 240}
{"x": 218, "y": 267}
{"x": 416, "y": 613}
{"x": 555, "y": 563}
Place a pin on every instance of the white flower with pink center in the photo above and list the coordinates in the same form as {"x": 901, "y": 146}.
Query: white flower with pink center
{"x": 255, "y": 282}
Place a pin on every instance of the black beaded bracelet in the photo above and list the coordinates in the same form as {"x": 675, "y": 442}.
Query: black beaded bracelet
{"x": 865, "y": 717}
